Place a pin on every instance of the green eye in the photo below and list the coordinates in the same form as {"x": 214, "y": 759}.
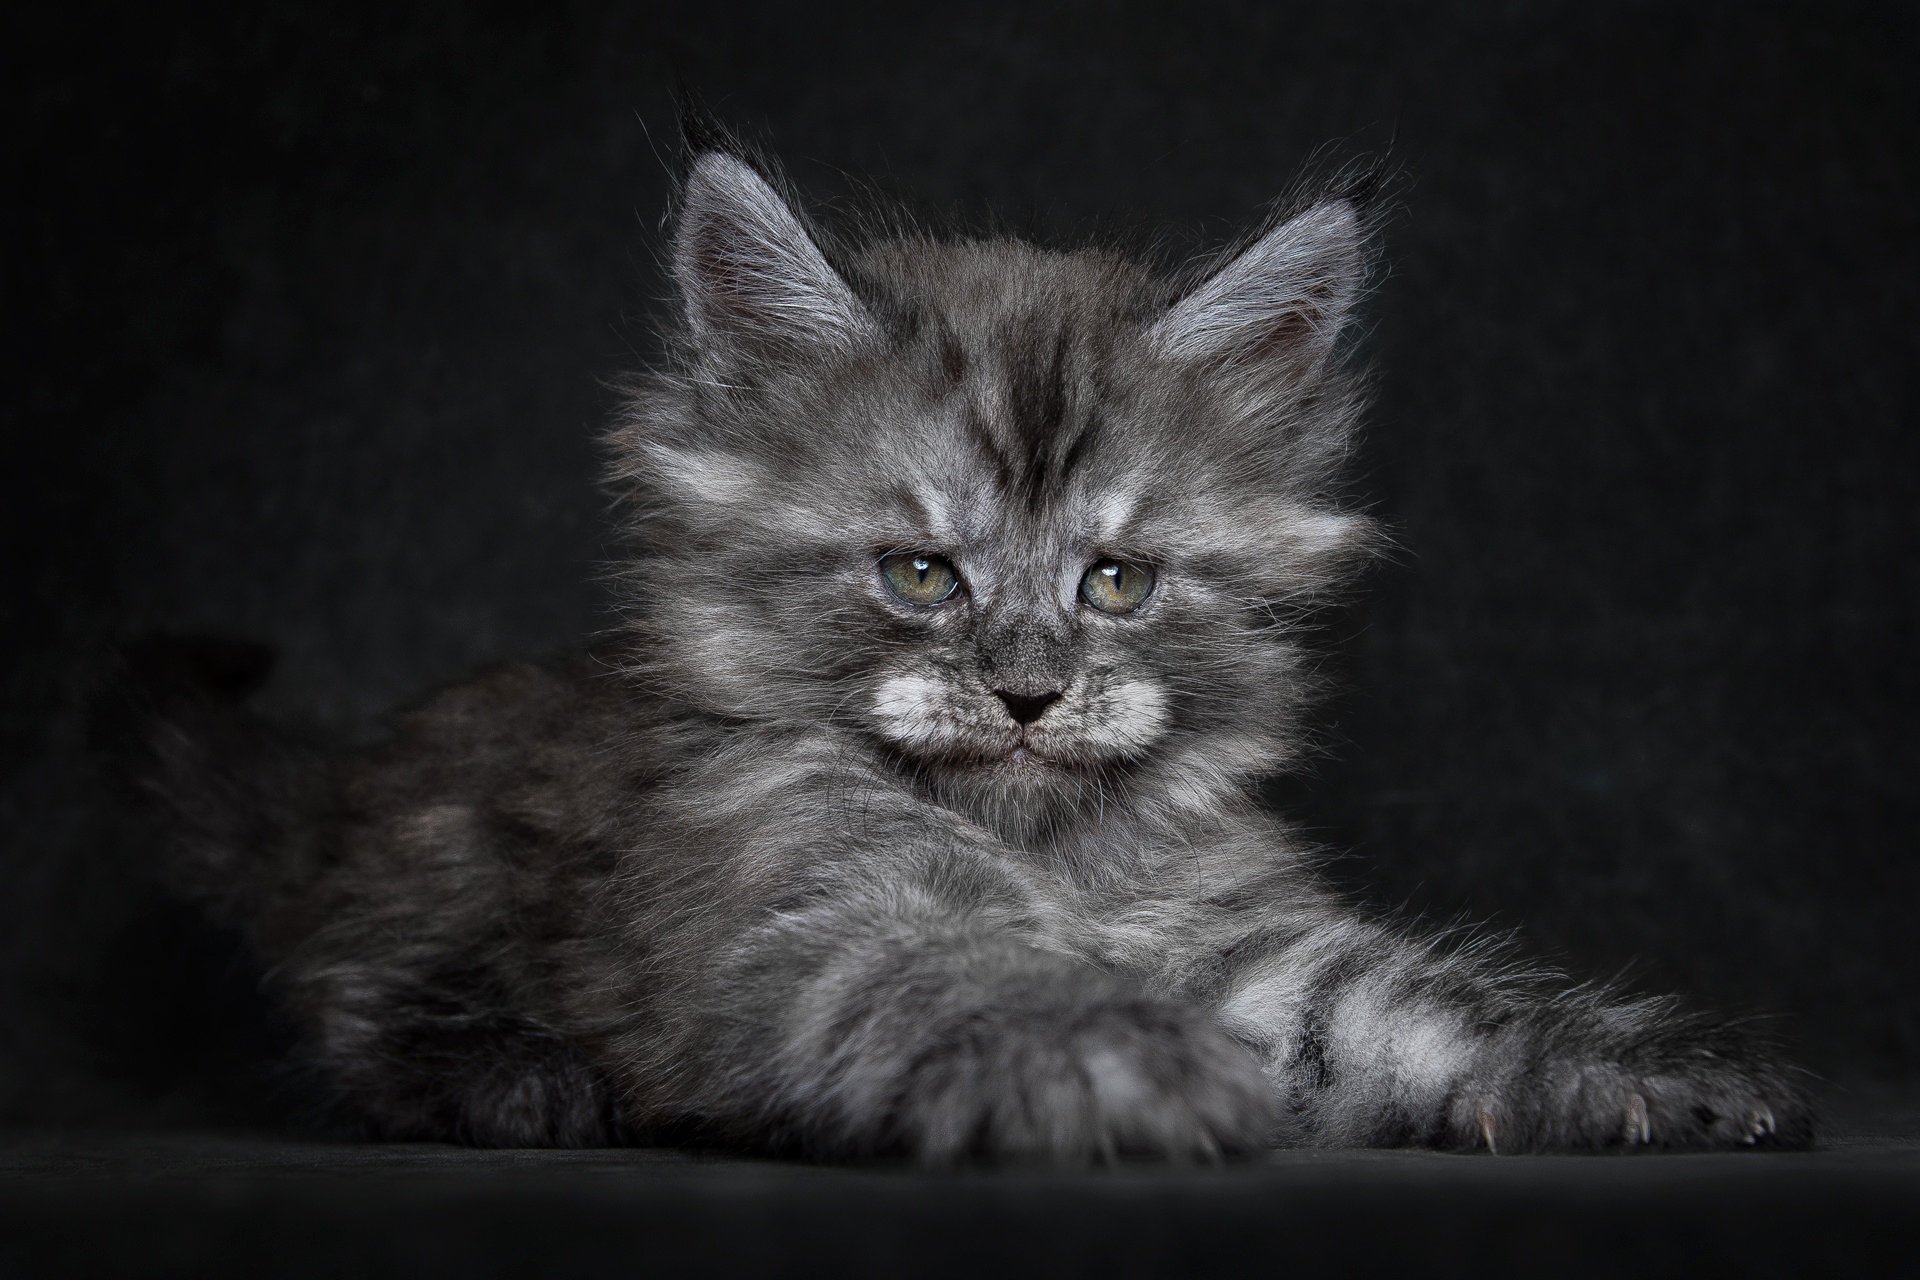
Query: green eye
{"x": 1114, "y": 586}
{"x": 919, "y": 578}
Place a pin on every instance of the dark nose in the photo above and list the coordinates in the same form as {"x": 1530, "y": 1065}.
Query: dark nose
{"x": 1025, "y": 708}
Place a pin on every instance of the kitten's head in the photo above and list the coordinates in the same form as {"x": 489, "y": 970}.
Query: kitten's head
{"x": 1029, "y": 525}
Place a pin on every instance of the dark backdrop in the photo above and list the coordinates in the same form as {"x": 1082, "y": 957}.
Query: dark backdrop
{"x": 310, "y": 319}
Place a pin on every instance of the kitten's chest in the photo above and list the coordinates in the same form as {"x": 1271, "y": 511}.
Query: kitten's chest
{"x": 1160, "y": 910}
{"x": 1145, "y": 927}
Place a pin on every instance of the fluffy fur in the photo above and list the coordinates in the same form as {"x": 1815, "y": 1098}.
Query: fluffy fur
{"x": 797, "y": 864}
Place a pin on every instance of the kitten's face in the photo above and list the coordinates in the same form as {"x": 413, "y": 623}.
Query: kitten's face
{"x": 1020, "y": 520}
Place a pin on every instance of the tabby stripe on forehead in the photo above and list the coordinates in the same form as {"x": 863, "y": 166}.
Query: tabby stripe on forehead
{"x": 1039, "y": 392}
{"x": 1038, "y": 407}
{"x": 1076, "y": 449}
{"x": 953, "y": 358}
{"x": 981, "y": 435}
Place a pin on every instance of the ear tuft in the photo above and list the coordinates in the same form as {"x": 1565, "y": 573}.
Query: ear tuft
{"x": 1278, "y": 306}
{"x": 748, "y": 270}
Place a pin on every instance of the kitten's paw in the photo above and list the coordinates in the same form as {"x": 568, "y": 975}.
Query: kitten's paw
{"x": 1119, "y": 1076}
{"x": 1666, "y": 1092}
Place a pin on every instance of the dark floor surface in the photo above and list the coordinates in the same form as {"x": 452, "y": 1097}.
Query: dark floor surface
{"x": 200, "y": 1203}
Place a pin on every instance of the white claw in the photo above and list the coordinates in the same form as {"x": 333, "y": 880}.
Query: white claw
{"x": 1487, "y": 1130}
{"x": 1639, "y": 1126}
{"x": 1760, "y": 1125}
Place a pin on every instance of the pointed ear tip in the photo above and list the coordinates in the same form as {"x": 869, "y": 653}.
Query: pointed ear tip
{"x": 1342, "y": 210}
{"x": 719, "y": 178}
{"x": 1362, "y": 188}
{"x": 713, "y": 164}
{"x": 1334, "y": 214}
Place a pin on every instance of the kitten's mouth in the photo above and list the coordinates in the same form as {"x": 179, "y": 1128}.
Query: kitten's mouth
{"x": 1017, "y": 754}
{"x": 1022, "y": 754}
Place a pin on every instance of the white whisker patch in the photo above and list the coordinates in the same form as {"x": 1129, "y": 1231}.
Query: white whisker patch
{"x": 912, "y": 711}
{"x": 1136, "y": 715}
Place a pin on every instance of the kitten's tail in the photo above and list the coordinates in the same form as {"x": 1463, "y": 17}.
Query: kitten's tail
{"x": 239, "y": 798}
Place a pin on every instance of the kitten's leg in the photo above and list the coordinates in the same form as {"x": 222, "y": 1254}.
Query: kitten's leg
{"x": 1377, "y": 1039}
{"x": 909, "y": 1019}
{"x": 430, "y": 1062}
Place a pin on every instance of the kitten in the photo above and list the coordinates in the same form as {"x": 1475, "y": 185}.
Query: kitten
{"x": 913, "y": 813}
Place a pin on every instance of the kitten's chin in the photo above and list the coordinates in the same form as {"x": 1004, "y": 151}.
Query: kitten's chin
{"x": 1013, "y": 763}
{"x": 1023, "y": 759}
{"x": 1019, "y": 764}
{"x": 1018, "y": 761}
{"x": 1019, "y": 767}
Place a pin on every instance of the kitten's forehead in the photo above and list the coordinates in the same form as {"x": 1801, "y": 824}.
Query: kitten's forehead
{"x": 1030, "y": 447}
{"x": 1033, "y": 361}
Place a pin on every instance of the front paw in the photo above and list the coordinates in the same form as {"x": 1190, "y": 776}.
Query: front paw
{"x": 1679, "y": 1087}
{"x": 1082, "y": 1080}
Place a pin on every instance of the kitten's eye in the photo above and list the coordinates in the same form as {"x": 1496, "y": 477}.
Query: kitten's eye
{"x": 1114, "y": 586}
{"x": 919, "y": 578}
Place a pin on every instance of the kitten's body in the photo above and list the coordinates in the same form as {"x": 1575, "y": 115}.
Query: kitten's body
{"x": 805, "y": 861}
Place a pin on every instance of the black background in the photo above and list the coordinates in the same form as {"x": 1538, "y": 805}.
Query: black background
{"x": 311, "y": 318}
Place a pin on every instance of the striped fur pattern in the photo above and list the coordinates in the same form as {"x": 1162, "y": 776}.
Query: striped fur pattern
{"x": 800, "y": 865}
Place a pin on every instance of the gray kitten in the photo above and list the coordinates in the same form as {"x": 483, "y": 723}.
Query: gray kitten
{"x": 914, "y": 812}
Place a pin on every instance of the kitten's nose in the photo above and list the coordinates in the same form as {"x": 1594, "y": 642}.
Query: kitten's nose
{"x": 1025, "y": 708}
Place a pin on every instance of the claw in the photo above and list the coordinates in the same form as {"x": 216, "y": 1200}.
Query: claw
{"x": 1639, "y": 1127}
{"x": 1487, "y": 1129}
{"x": 1760, "y": 1124}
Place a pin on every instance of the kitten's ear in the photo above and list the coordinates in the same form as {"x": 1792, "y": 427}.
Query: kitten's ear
{"x": 748, "y": 270}
{"x": 1277, "y": 307}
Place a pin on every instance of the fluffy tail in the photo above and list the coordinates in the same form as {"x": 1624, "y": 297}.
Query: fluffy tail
{"x": 241, "y": 801}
